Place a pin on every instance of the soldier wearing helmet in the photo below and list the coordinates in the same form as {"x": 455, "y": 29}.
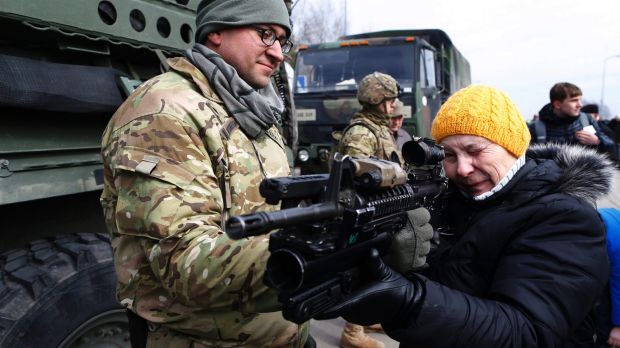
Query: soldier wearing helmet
{"x": 377, "y": 88}
{"x": 368, "y": 133}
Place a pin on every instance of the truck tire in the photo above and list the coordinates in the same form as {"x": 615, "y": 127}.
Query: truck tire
{"x": 59, "y": 292}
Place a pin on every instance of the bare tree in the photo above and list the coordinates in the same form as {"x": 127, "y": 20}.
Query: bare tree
{"x": 316, "y": 21}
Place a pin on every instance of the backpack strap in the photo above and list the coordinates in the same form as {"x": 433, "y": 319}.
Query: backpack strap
{"x": 359, "y": 123}
{"x": 541, "y": 131}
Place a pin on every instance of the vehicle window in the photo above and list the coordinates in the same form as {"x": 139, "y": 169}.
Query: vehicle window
{"x": 427, "y": 68}
{"x": 343, "y": 68}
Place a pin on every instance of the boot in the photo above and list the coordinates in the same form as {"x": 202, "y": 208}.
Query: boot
{"x": 353, "y": 336}
{"x": 374, "y": 328}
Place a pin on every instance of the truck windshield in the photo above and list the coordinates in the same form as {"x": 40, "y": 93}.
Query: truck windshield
{"x": 342, "y": 68}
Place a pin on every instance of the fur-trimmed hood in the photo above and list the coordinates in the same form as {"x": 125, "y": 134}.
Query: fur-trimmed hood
{"x": 587, "y": 174}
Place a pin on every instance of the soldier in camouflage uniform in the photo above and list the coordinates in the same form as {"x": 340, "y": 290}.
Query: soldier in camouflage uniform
{"x": 186, "y": 150}
{"x": 368, "y": 133}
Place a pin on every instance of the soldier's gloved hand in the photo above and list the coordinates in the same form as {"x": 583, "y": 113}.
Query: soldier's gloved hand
{"x": 411, "y": 244}
{"x": 388, "y": 298}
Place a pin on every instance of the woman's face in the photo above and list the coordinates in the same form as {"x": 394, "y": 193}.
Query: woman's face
{"x": 475, "y": 164}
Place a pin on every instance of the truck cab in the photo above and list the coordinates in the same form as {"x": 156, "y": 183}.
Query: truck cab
{"x": 424, "y": 63}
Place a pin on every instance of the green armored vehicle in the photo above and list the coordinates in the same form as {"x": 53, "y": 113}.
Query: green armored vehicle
{"x": 65, "y": 66}
{"x": 425, "y": 63}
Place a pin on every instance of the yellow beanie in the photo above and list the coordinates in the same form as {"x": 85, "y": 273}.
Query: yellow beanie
{"x": 483, "y": 111}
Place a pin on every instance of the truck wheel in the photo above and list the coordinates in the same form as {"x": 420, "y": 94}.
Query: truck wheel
{"x": 59, "y": 292}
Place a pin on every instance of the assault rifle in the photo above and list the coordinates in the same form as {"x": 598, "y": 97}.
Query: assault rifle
{"x": 358, "y": 206}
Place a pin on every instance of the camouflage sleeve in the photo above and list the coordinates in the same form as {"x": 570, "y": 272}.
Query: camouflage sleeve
{"x": 169, "y": 194}
{"x": 359, "y": 141}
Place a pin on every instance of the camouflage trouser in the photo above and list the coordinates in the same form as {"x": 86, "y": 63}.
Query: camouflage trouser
{"x": 167, "y": 338}
{"x": 162, "y": 337}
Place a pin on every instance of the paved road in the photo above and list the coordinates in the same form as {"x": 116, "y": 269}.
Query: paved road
{"x": 612, "y": 200}
{"x": 327, "y": 334}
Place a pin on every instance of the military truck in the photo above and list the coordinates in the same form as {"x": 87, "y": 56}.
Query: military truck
{"x": 425, "y": 63}
{"x": 65, "y": 67}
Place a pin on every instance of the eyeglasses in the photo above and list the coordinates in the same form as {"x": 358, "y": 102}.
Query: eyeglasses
{"x": 268, "y": 37}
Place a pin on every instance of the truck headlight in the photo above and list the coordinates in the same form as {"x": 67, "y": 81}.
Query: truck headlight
{"x": 303, "y": 155}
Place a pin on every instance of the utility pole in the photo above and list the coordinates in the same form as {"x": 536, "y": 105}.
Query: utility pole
{"x": 345, "y": 17}
{"x": 603, "y": 79}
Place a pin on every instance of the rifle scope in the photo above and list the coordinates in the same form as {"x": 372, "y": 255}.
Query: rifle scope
{"x": 423, "y": 152}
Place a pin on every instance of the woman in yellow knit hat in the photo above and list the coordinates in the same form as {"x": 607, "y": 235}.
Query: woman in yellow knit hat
{"x": 525, "y": 258}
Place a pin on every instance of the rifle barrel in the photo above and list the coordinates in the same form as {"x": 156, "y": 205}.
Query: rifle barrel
{"x": 248, "y": 225}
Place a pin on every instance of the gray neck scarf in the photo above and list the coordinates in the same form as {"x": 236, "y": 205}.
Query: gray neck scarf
{"x": 255, "y": 111}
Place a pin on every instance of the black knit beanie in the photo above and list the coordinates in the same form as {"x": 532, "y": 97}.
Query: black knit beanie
{"x": 590, "y": 109}
{"x": 213, "y": 15}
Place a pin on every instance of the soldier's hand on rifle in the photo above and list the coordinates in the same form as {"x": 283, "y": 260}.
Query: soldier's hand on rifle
{"x": 389, "y": 298}
{"x": 411, "y": 244}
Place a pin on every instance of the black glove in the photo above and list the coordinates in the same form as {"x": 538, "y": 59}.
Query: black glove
{"x": 388, "y": 298}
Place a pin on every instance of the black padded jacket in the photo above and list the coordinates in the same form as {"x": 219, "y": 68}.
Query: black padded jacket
{"x": 523, "y": 267}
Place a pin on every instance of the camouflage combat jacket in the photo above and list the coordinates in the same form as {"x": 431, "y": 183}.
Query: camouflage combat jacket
{"x": 364, "y": 137}
{"x": 175, "y": 165}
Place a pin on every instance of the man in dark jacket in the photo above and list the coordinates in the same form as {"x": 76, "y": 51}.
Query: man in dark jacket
{"x": 592, "y": 110}
{"x": 525, "y": 259}
{"x": 561, "y": 121}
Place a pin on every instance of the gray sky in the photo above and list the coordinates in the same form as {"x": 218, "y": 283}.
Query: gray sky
{"x": 521, "y": 47}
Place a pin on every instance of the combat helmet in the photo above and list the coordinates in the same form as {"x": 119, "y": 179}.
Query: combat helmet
{"x": 377, "y": 87}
